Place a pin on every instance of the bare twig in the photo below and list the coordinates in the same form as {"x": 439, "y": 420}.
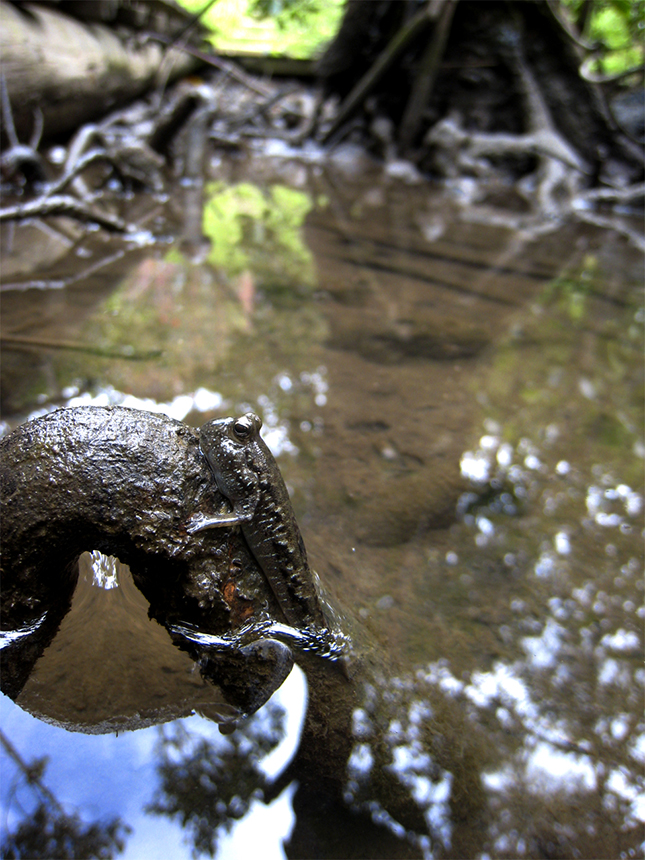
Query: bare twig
{"x": 37, "y": 130}
{"x": 72, "y": 172}
{"x": 32, "y": 773}
{"x": 223, "y": 65}
{"x": 613, "y": 223}
{"x": 20, "y": 155}
{"x": 578, "y": 39}
{"x": 262, "y": 107}
{"x": 616, "y": 195}
{"x": 7, "y": 115}
{"x": 596, "y": 78}
{"x": 191, "y": 23}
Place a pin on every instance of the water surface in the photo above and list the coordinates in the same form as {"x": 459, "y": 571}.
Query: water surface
{"x": 457, "y": 409}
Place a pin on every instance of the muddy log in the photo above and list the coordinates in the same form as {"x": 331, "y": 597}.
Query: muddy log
{"x": 74, "y": 71}
{"x": 127, "y": 483}
{"x": 116, "y": 480}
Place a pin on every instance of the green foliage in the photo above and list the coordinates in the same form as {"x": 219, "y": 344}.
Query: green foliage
{"x": 617, "y": 26}
{"x": 296, "y": 28}
{"x": 286, "y": 11}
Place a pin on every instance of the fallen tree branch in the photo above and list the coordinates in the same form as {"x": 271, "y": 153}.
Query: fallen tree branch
{"x": 48, "y": 55}
{"x": 608, "y": 222}
{"x": 70, "y": 173}
{"x": 616, "y": 195}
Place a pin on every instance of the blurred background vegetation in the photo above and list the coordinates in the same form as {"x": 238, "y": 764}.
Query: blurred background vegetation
{"x": 295, "y": 28}
{"x": 616, "y": 27}
{"x": 301, "y": 28}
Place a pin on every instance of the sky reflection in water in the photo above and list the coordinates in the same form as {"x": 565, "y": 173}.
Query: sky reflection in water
{"x": 101, "y": 776}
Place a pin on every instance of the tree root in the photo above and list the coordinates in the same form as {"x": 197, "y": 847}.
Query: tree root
{"x": 43, "y": 206}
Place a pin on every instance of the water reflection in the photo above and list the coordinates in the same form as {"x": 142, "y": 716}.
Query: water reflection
{"x": 207, "y": 788}
{"x": 130, "y": 799}
{"x": 48, "y": 831}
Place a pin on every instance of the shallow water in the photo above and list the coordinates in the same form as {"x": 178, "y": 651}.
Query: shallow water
{"x": 457, "y": 409}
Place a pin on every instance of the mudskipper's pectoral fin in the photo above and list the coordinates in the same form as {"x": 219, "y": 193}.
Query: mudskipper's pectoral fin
{"x": 242, "y": 513}
{"x": 200, "y": 521}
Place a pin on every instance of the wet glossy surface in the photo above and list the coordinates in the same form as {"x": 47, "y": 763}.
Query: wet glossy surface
{"x": 457, "y": 410}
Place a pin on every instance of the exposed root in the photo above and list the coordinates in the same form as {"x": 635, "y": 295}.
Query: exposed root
{"x": 62, "y": 204}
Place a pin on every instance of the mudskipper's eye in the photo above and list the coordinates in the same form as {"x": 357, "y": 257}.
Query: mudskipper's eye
{"x": 243, "y": 428}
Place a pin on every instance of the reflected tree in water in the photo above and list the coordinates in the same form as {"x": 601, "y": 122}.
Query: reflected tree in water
{"x": 46, "y": 834}
{"x": 208, "y": 783}
{"x": 49, "y": 831}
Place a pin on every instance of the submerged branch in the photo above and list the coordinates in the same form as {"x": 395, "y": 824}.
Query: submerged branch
{"x": 61, "y": 283}
{"x": 105, "y": 352}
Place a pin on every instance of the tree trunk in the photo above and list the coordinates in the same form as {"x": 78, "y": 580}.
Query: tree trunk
{"x": 475, "y": 67}
{"x": 71, "y": 71}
